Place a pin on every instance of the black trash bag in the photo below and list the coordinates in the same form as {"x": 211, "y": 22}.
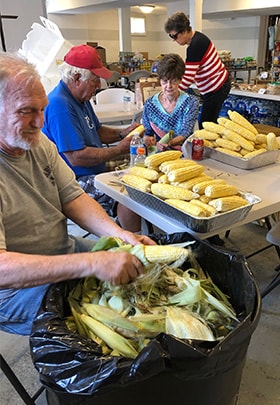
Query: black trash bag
{"x": 73, "y": 369}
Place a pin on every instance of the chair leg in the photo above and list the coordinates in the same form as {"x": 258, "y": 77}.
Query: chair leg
{"x": 273, "y": 284}
{"x": 27, "y": 399}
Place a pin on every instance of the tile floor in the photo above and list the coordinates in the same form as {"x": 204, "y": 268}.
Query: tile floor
{"x": 260, "y": 383}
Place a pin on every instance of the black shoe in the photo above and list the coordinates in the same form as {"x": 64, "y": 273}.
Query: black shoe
{"x": 216, "y": 240}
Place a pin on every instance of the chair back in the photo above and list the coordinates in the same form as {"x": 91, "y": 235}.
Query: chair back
{"x": 113, "y": 80}
{"x": 135, "y": 76}
{"x": 113, "y": 95}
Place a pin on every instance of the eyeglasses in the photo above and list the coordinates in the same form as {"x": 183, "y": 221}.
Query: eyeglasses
{"x": 175, "y": 36}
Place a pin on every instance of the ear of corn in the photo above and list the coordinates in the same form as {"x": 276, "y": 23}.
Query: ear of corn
{"x": 204, "y": 134}
{"x": 261, "y": 138}
{"x": 181, "y": 323}
{"x": 209, "y": 210}
{"x": 204, "y": 198}
{"x": 272, "y": 143}
{"x": 167, "y": 137}
{"x": 228, "y": 203}
{"x": 137, "y": 182}
{"x": 240, "y": 140}
{"x": 163, "y": 179}
{"x": 220, "y": 190}
{"x": 149, "y": 174}
{"x": 111, "y": 338}
{"x": 109, "y": 317}
{"x": 185, "y": 173}
{"x": 229, "y": 152}
{"x": 165, "y": 167}
{"x": 156, "y": 159}
{"x": 191, "y": 182}
{"x": 164, "y": 253}
{"x": 169, "y": 191}
{"x": 200, "y": 187}
{"x": 239, "y": 119}
{"x": 187, "y": 207}
{"x": 140, "y": 129}
{"x": 225, "y": 143}
{"x": 212, "y": 127}
{"x": 239, "y": 129}
{"x": 250, "y": 155}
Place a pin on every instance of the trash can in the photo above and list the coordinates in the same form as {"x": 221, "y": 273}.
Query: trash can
{"x": 168, "y": 370}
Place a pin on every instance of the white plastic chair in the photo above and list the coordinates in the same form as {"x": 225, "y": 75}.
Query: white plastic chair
{"x": 113, "y": 95}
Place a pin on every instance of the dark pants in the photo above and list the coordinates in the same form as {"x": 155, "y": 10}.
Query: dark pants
{"x": 212, "y": 103}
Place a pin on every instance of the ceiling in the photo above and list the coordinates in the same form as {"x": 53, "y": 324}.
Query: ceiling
{"x": 92, "y": 6}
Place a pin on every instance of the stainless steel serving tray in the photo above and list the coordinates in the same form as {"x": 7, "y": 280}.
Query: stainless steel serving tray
{"x": 197, "y": 224}
{"x": 261, "y": 160}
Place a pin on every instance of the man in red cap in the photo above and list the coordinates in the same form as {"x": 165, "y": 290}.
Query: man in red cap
{"x": 70, "y": 122}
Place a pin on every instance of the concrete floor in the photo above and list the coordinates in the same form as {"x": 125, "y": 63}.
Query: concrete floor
{"x": 260, "y": 384}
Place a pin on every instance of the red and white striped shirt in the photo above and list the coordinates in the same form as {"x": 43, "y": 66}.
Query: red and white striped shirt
{"x": 203, "y": 66}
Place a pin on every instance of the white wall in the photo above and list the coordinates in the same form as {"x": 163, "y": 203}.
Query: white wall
{"x": 28, "y": 12}
{"x": 239, "y": 35}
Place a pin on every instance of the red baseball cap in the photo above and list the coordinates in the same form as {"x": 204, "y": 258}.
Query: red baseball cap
{"x": 87, "y": 57}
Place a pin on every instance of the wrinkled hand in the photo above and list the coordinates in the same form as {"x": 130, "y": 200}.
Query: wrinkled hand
{"x": 135, "y": 239}
{"x": 115, "y": 267}
{"x": 127, "y": 130}
{"x": 149, "y": 140}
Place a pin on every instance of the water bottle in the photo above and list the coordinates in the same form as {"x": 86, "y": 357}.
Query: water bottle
{"x": 141, "y": 155}
{"x": 127, "y": 101}
{"x": 134, "y": 143}
{"x": 138, "y": 97}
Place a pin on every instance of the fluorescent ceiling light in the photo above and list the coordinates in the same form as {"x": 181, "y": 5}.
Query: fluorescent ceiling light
{"x": 147, "y": 8}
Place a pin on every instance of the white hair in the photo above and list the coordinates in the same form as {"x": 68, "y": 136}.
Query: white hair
{"x": 67, "y": 72}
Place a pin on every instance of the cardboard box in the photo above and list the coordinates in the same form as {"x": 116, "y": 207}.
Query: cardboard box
{"x": 100, "y": 50}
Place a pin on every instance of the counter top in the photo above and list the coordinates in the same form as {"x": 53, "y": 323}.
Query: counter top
{"x": 237, "y": 92}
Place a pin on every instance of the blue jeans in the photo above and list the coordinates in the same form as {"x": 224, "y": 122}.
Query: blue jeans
{"x": 17, "y": 312}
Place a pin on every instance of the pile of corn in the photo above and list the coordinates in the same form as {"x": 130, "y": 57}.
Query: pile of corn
{"x": 236, "y": 136}
{"x": 123, "y": 319}
{"x": 183, "y": 184}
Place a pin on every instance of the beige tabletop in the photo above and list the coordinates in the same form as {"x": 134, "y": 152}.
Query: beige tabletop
{"x": 263, "y": 182}
{"x": 114, "y": 113}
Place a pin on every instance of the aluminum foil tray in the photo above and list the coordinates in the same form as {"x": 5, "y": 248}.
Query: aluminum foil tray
{"x": 197, "y": 224}
{"x": 261, "y": 160}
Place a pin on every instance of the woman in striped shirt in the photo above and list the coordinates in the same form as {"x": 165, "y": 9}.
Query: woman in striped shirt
{"x": 203, "y": 66}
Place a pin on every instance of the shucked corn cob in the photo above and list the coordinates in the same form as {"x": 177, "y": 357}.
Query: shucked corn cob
{"x": 272, "y": 143}
{"x": 165, "y": 167}
{"x": 190, "y": 183}
{"x": 220, "y": 190}
{"x": 230, "y": 152}
{"x": 239, "y": 119}
{"x": 205, "y": 134}
{"x": 149, "y": 174}
{"x": 213, "y": 127}
{"x": 169, "y": 191}
{"x": 156, "y": 159}
{"x": 200, "y": 187}
{"x": 239, "y": 129}
{"x": 228, "y": 203}
{"x": 240, "y": 140}
{"x": 254, "y": 153}
{"x": 225, "y": 143}
{"x": 137, "y": 182}
{"x": 185, "y": 173}
{"x": 187, "y": 207}
{"x": 164, "y": 253}
{"x": 209, "y": 210}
